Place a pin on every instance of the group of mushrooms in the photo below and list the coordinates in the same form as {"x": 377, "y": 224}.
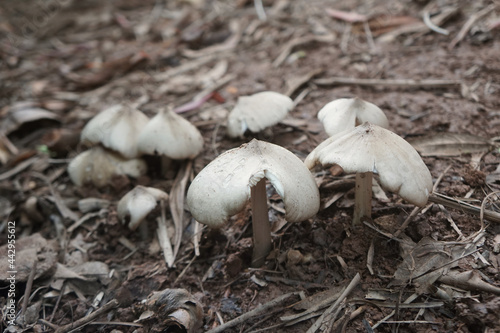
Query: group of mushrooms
{"x": 359, "y": 143}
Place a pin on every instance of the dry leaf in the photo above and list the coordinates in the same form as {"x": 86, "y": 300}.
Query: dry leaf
{"x": 19, "y": 115}
{"x": 27, "y": 251}
{"x": 450, "y": 144}
{"x": 174, "y": 310}
{"x": 424, "y": 263}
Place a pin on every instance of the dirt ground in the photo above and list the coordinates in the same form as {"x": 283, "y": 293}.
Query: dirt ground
{"x": 63, "y": 61}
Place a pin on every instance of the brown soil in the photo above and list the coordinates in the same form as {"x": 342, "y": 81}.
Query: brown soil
{"x": 78, "y": 58}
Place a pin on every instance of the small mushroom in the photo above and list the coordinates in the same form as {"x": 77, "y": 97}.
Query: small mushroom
{"x": 225, "y": 185}
{"x": 169, "y": 134}
{"x": 98, "y": 165}
{"x": 138, "y": 203}
{"x": 257, "y": 112}
{"x": 346, "y": 113}
{"x": 116, "y": 128}
{"x": 370, "y": 149}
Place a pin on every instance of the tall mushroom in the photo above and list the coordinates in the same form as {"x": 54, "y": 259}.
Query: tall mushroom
{"x": 369, "y": 149}
{"x": 226, "y": 184}
{"x": 346, "y": 113}
{"x": 257, "y": 112}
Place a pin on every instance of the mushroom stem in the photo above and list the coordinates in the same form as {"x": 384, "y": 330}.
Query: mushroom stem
{"x": 362, "y": 197}
{"x": 260, "y": 224}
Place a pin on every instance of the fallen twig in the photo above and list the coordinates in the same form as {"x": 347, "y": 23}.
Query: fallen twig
{"x": 294, "y": 83}
{"x": 288, "y": 48}
{"x": 255, "y": 312}
{"x": 86, "y": 320}
{"x": 354, "y": 282}
{"x": 468, "y": 281}
{"x": 432, "y": 26}
{"x": 461, "y": 205}
{"x": 402, "y": 83}
{"x": 164, "y": 239}
{"x": 469, "y": 24}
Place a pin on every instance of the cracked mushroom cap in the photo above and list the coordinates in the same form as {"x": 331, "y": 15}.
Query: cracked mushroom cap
{"x": 138, "y": 203}
{"x": 370, "y": 148}
{"x": 257, "y": 112}
{"x": 222, "y": 188}
{"x": 97, "y": 166}
{"x": 116, "y": 128}
{"x": 171, "y": 135}
{"x": 346, "y": 113}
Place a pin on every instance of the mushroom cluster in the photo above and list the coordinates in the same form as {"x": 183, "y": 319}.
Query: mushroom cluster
{"x": 113, "y": 136}
{"x": 120, "y": 135}
{"x": 369, "y": 149}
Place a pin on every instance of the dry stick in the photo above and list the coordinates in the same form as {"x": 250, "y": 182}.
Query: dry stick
{"x": 469, "y": 24}
{"x": 370, "y": 255}
{"x": 295, "y": 83}
{"x": 461, "y": 205}
{"x": 176, "y": 203}
{"x": 85, "y": 320}
{"x": 288, "y": 48}
{"x": 164, "y": 238}
{"x": 432, "y": 26}
{"x": 348, "y": 289}
{"x": 27, "y": 291}
{"x": 410, "y": 299}
{"x": 405, "y": 224}
{"x": 184, "y": 271}
{"x": 18, "y": 168}
{"x": 404, "y": 83}
{"x": 255, "y": 312}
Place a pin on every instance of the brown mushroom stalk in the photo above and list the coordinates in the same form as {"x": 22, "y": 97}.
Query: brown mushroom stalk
{"x": 362, "y": 197}
{"x": 260, "y": 223}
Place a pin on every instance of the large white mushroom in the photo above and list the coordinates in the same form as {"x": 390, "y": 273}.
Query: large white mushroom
{"x": 224, "y": 186}
{"x": 98, "y": 165}
{"x": 346, "y": 113}
{"x": 369, "y": 149}
{"x": 256, "y": 112}
{"x": 116, "y": 128}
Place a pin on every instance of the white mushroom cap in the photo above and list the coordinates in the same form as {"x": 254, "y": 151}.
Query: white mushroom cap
{"x": 346, "y": 113}
{"x": 116, "y": 128}
{"x": 98, "y": 166}
{"x": 257, "y": 112}
{"x": 138, "y": 203}
{"x": 171, "y": 135}
{"x": 222, "y": 188}
{"x": 370, "y": 148}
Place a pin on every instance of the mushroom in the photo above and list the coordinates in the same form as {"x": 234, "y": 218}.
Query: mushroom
{"x": 346, "y": 113}
{"x": 98, "y": 165}
{"x": 257, "y": 112}
{"x": 116, "y": 128}
{"x": 226, "y": 184}
{"x": 169, "y": 134}
{"x": 138, "y": 203}
{"x": 369, "y": 149}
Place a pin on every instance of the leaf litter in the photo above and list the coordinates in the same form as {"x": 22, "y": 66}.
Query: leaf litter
{"x": 196, "y": 57}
